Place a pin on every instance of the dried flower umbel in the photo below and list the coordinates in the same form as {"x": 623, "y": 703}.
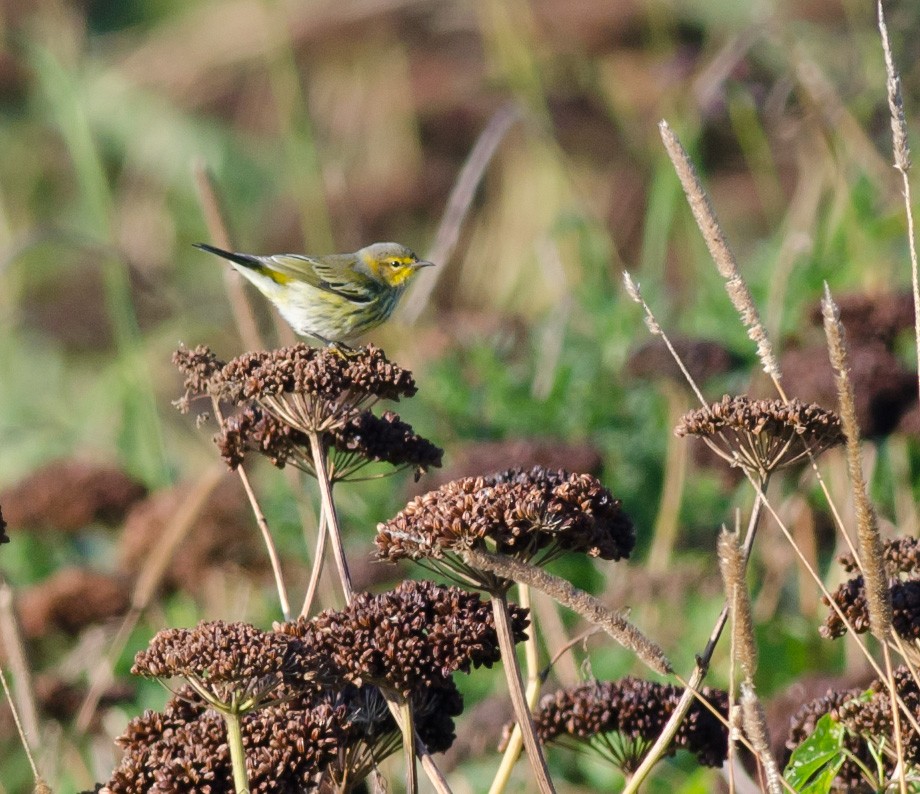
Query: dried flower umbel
{"x": 535, "y": 516}
{"x": 371, "y": 734}
{"x": 288, "y": 747}
{"x": 763, "y": 435}
{"x": 406, "y": 640}
{"x": 902, "y": 566}
{"x": 364, "y": 438}
{"x": 237, "y": 670}
{"x": 532, "y": 516}
{"x": 867, "y": 717}
{"x": 620, "y": 719}
{"x": 283, "y": 396}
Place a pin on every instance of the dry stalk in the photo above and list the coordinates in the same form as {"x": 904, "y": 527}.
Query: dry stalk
{"x": 233, "y": 281}
{"x": 902, "y": 164}
{"x": 632, "y": 289}
{"x": 732, "y": 565}
{"x": 867, "y": 532}
{"x": 458, "y": 207}
{"x": 719, "y": 250}
{"x": 755, "y": 726}
{"x": 25, "y": 716}
{"x": 660, "y": 747}
{"x": 589, "y": 607}
{"x": 522, "y": 712}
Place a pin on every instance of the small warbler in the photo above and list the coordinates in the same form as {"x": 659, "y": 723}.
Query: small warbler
{"x": 335, "y": 297}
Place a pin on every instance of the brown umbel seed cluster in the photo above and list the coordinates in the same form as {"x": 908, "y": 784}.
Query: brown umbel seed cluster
{"x": 287, "y": 745}
{"x": 364, "y": 438}
{"x": 901, "y": 557}
{"x": 534, "y": 514}
{"x": 302, "y": 743}
{"x": 620, "y": 719}
{"x": 222, "y": 661}
{"x": 407, "y": 640}
{"x": 280, "y": 397}
{"x": 328, "y": 376}
{"x": 70, "y": 495}
{"x": 763, "y": 435}
{"x": 867, "y": 716}
{"x": 307, "y": 693}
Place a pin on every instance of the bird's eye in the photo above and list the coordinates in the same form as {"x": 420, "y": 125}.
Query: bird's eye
{"x": 394, "y": 263}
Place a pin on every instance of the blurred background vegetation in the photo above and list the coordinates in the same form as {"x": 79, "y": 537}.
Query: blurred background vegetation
{"x": 328, "y": 125}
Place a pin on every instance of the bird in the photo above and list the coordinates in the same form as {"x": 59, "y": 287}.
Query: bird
{"x": 333, "y": 297}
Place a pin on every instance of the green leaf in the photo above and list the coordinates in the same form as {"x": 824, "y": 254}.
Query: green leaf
{"x": 815, "y": 762}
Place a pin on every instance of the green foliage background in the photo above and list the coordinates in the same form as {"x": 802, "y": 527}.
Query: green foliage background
{"x": 328, "y": 125}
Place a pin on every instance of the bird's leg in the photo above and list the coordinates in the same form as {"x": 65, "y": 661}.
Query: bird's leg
{"x": 345, "y": 351}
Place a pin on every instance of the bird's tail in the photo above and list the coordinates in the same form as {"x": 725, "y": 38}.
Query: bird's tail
{"x": 245, "y": 260}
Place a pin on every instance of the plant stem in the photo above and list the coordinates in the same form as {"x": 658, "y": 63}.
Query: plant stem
{"x": 319, "y": 552}
{"x": 702, "y": 661}
{"x": 408, "y": 732}
{"x": 263, "y": 526}
{"x": 516, "y": 690}
{"x": 516, "y": 740}
{"x": 332, "y": 525}
{"x": 580, "y": 602}
{"x": 269, "y": 543}
{"x": 329, "y": 514}
{"x": 237, "y": 754}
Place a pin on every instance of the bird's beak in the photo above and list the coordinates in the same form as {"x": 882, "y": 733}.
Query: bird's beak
{"x": 422, "y": 263}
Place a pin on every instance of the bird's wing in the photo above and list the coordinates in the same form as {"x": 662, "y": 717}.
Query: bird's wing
{"x": 333, "y": 273}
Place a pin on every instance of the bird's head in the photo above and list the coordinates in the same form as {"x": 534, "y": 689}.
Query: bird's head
{"x": 391, "y": 263}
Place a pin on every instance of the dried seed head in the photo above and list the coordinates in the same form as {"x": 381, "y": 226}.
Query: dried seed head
{"x": 202, "y": 370}
{"x": 69, "y": 495}
{"x": 283, "y": 396}
{"x": 867, "y": 716}
{"x": 704, "y": 359}
{"x": 224, "y": 660}
{"x": 763, "y": 435}
{"x": 371, "y": 733}
{"x": 533, "y": 515}
{"x": 287, "y": 746}
{"x": 405, "y": 640}
{"x": 851, "y": 599}
{"x": 382, "y": 439}
{"x": 70, "y": 600}
{"x": 621, "y": 719}
{"x": 363, "y": 439}
{"x": 901, "y": 556}
{"x": 321, "y": 373}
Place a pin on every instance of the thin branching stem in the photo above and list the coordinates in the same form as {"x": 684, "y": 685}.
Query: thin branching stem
{"x": 702, "y": 663}
{"x": 516, "y": 690}
{"x": 329, "y": 515}
{"x": 316, "y": 570}
{"x": 237, "y": 753}
{"x": 580, "y": 602}
{"x": 262, "y": 523}
{"x": 408, "y": 732}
